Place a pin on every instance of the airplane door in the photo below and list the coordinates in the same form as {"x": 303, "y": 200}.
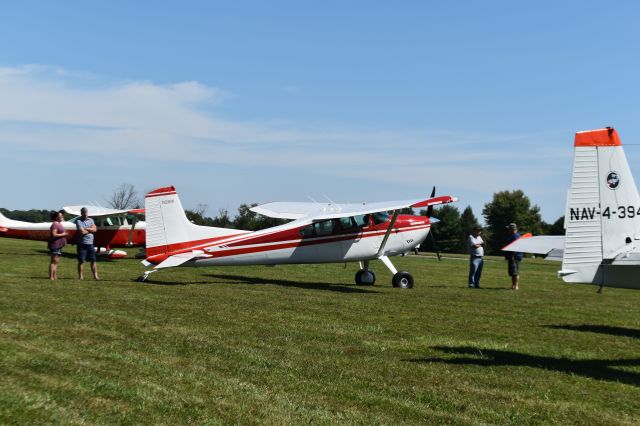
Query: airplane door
{"x": 361, "y": 241}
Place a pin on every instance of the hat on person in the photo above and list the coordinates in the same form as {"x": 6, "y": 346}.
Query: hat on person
{"x": 476, "y": 228}
{"x": 512, "y": 226}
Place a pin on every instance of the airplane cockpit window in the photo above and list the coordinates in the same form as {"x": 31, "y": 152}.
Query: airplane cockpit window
{"x": 361, "y": 220}
{"x": 323, "y": 228}
{"x": 306, "y": 231}
{"x": 334, "y": 226}
{"x": 380, "y": 217}
{"x": 346, "y": 223}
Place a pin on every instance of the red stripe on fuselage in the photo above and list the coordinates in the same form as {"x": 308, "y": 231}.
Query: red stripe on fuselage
{"x": 188, "y": 246}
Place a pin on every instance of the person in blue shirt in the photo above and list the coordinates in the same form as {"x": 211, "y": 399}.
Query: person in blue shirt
{"x": 86, "y": 227}
{"x": 513, "y": 258}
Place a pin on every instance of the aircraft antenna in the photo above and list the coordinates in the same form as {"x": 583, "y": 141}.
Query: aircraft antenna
{"x": 328, "y": 199}
{"x": 312, "y": 200}
{"x": 332, "y": 204}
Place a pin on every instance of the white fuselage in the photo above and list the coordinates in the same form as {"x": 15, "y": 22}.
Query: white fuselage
{"x": 357, "y": 247}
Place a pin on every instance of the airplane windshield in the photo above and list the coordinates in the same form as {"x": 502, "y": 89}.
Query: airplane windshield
{"x": 111, "y": 221}
{"x": 380, "y": 217}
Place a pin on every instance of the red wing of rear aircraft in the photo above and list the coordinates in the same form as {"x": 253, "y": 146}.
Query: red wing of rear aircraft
{"x": 116, "y": 228}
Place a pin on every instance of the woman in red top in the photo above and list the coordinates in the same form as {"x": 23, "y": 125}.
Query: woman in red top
{"x": 57, "y": 240}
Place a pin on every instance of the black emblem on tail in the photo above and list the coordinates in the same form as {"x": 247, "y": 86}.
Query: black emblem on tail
{"x": 613, "y": 180}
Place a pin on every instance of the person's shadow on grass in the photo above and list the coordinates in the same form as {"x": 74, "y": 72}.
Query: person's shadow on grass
{"x": 599, "y": 369}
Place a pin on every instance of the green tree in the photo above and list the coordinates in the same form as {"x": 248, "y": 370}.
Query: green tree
{"x": 222, "y": 220}
{"x": 250, "y": 221}
{"x": 447, "y": 231}
{"x": 245, "y": 219}
{"x": 556, "y": 228}
{"x": 468, "y": 221}
{"x": 510, "y": 207}
{"x": 33, "y": 215}
{"x": 197, "y": 216}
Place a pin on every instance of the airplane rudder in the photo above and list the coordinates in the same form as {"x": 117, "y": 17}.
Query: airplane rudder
{"x": 160, "y": 205}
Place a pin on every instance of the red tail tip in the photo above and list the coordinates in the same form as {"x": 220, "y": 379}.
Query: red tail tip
{"x": 167, "y": 190}
{"x": 600, "y": 137}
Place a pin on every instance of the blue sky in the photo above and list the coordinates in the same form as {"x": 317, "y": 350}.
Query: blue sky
{"x": 238, "y": 102}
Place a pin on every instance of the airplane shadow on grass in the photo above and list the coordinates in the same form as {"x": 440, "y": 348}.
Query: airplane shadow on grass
{"x": 288, "y": 283}
{"x": 599, "y": 369}
{"x": 602, "y": 329}
{"x": 239, "y": 279}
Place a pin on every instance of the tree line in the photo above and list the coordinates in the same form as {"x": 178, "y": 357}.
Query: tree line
{"x": 449, "y": 233}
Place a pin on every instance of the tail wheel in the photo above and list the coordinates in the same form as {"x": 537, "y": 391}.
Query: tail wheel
{"x": 402, "y": 280}
{"x": 365, "y": 277}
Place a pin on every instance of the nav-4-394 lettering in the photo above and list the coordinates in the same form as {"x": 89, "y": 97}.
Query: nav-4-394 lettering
{"x": 590, "y": 213}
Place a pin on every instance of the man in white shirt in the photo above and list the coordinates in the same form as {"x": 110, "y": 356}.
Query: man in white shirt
{"x": 476, "y": 253}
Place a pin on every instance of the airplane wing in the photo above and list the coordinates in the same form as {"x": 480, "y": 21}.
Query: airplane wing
{"x": 542, "y": 244}
{"x": 321, "y": 211}
{"x": 97, "y": 211}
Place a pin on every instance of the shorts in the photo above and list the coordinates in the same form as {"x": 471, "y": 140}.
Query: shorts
{"x": 86, "y": 252}
{"x": 514, "y": 268}
{"x": 55, "y": 252}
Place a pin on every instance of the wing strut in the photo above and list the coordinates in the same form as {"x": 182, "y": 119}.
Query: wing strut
{"x": 134, "y": 220}
{"x": 389, "y": 229}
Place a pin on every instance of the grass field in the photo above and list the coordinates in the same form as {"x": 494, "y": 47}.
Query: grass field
{"x": 303, "y": 344}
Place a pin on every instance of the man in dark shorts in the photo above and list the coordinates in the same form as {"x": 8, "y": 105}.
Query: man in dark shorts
{"x": 86, "y": 227}
{"x": 57, "y": 240}
{"x": 513, "y": 258}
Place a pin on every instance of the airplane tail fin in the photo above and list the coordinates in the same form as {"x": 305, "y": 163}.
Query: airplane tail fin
{"x": 602, "y": 219}
{"x": 168, "y": 229}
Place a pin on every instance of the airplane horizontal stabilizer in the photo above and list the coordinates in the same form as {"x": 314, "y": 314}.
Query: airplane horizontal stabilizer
{"x": 179, "y": 259}
{"x": 542, "y": 244}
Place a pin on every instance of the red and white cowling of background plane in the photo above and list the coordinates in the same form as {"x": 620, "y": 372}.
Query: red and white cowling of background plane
{"x": 318, "y": 233}
{"x": 113, "y": 229}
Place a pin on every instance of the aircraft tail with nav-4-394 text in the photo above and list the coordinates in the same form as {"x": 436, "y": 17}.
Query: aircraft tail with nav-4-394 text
{"x": 602, "y": 219}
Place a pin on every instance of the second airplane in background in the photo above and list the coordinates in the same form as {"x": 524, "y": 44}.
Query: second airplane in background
{"x": 602, "y": 219}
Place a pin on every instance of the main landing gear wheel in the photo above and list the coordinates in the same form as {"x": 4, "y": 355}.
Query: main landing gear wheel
{"x": 402, "y": 280}
{"x": 365, "y": 277}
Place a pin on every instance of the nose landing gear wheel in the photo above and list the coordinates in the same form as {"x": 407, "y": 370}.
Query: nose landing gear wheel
{"x": 402, "y": 280}
{"x": 365, "y": 277}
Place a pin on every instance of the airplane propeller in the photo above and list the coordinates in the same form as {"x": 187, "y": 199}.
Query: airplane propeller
{"x": 431, "y": 234}
{"x": 430, "y": 208}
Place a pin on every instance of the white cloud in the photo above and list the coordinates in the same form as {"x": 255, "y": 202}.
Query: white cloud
{"x": 44, "y": 109}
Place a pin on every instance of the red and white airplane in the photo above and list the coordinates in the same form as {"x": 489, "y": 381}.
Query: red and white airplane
{"x": 114, "y": 229}
{"x": 318, "y": 233}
